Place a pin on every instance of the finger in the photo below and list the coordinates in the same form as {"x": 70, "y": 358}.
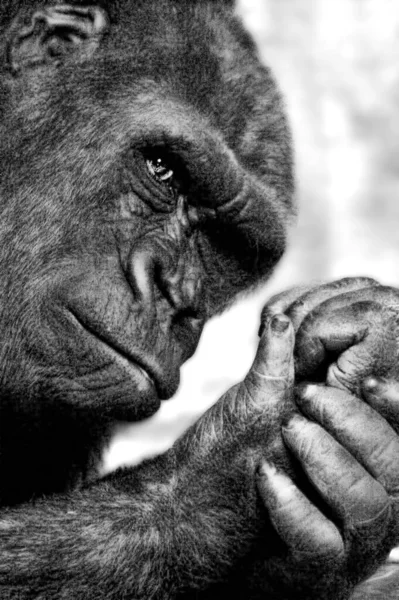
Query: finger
{"x": 300, "y": 301}
{"x": 383, "y": 396}
{"x": 302, "y": 527}
{"x": 274, "y": 357}
{"x": 351, "y": 492}
{"x": 281, "y": 302}
{"x": 316, "y": 296}
{"x": 366, "y": 329}
{"x": 265, "y": 395}
{"x": 358, "y": 427}
{"x": 372, "y": 291}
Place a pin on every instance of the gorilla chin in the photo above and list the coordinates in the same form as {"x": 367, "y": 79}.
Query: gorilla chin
{"x": 121, "y": 389}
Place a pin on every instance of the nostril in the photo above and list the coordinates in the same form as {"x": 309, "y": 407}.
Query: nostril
{"x": 167, "y": 285}
{"x": 187, "y": 325}
{"x": 156, "y": 273}
{"x": 189, "y": 316}
{"x": 184, "y": 297}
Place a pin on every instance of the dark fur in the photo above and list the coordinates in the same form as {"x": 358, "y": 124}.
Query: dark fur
{"x": 180, "y": 73}
{"x": 92, "y": 251}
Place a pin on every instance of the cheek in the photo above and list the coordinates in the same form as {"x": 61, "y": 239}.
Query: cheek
{"x": 58, "y": 361}
{"x": 46, "y": 356}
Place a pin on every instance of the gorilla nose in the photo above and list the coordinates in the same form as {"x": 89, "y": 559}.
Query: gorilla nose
{"x": 141, "y": 275}
{"x": 158, "y": 274}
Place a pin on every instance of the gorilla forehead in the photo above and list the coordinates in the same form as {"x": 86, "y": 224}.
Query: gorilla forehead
{"x": 194, "y": 52}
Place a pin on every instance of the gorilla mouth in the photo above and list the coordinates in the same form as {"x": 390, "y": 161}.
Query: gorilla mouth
{"x": 147, "y": 373}
{"x": 143, "y": 372}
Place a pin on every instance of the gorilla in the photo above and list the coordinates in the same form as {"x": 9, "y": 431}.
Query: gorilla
{"x": 146, "y": 182}
{"x": 160, "y": 204}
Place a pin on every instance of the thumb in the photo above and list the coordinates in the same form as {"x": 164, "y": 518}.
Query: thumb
{"x": 272, "y": 372}
{"x": 261, "y": 398}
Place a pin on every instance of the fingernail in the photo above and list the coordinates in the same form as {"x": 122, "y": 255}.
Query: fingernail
{"x": 264, "y": 322}
{"x": 280, "y": 323}
{"x": 266, "y": 468}
{"x": 293, "y": 422}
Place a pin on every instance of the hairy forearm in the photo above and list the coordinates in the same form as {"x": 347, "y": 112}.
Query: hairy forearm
{"x": 147, "y": 533}
{"x": 175, "y": 526}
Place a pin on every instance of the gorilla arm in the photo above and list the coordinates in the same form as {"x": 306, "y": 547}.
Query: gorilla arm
{"x": 190, "y": 523}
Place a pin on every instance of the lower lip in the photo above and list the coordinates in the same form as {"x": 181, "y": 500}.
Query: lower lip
{"x": 130, "y": 362}
{"x": 142, "y": 371}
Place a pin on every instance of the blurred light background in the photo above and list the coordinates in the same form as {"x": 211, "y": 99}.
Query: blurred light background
{"x": 337, "y": 62}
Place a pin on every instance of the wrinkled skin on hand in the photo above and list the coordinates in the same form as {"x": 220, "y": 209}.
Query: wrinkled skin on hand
{"x": 345, "y": 331}
{"x": 330, "y": 521}
{"x": 215, "y": 516}
{"x": 347, "y": 336}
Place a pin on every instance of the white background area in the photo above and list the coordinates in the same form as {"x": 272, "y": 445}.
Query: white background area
{"x": 337, "y": 62}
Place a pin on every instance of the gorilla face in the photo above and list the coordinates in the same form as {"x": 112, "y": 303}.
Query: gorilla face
{"x": 140, "y": 193}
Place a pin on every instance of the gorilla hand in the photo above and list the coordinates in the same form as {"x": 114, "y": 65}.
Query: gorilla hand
{"x": 371, "y": 440}
{"x": 308, "y": 553}
{"x": 322, "y": 555}
{"x": 346, "y": 331}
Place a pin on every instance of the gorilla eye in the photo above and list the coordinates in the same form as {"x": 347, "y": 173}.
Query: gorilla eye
{"x": 160, "y": 170}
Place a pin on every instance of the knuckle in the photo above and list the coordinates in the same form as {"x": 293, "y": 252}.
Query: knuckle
{"x": 298, "y": 309}
{"x": 260, "y": 389}
{"x": 364, "y": 281}
{"x": 302, "y": 436}
{"x": 344, "y": 282}
{"x": 266, "y": 315}
{"x": 389, "y": 296}
{"x": 340, "y": 375}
